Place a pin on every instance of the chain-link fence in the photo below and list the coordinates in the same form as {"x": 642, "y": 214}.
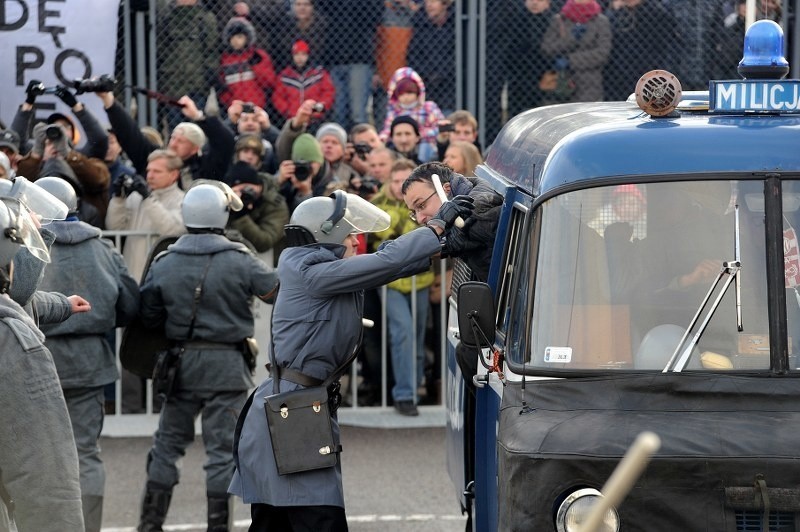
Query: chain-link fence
{"x": 491, "y": 57}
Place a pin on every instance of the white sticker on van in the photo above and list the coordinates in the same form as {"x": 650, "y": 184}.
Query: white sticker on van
{"x": 558, "y": 355}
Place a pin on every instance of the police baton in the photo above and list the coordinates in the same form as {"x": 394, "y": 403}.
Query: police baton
{"x": 437, "y": 184}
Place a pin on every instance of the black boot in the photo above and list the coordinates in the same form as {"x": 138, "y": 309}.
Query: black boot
{"x": 154, "y": 507}
{"x": 219, "y": 512}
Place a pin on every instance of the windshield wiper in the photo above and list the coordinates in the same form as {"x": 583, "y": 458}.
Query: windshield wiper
{"x": 730, "y": 271}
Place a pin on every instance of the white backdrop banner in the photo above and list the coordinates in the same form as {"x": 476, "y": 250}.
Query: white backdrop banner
{"x": 57, "y": 42}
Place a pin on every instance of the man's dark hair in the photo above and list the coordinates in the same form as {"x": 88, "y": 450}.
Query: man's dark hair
{"x": 424, "y": 172}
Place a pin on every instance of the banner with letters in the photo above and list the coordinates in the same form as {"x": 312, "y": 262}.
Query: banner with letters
{"x": 56, "y": 42}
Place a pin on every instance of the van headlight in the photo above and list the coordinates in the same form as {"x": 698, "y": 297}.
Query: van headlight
{"x": 576, "y": 507}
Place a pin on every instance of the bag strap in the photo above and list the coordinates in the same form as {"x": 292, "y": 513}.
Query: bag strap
{"x": 198, "y": 293}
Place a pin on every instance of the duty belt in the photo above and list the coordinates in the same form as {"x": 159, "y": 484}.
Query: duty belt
{"x": 291, "y": 375}
{"x": 211, "y": 346}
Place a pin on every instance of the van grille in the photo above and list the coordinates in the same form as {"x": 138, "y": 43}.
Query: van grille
{"x": 750, "y": 520}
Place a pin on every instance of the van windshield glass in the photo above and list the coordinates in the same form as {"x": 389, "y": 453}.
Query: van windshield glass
{"x": 622, "y": 271}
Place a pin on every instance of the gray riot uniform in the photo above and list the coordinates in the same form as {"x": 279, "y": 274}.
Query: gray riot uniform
{"x": 38, "y": 460}
{"x": 213, "y": 377}
{"x": 83, "y": 263}
{"x": 316, "y": 323}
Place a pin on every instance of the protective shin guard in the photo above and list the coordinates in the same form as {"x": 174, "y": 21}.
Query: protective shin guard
{"x": 154, "y": 507}
{"x": 220, "y": 513}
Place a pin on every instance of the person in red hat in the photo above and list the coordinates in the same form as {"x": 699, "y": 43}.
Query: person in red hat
{"x": 301, "y": 81}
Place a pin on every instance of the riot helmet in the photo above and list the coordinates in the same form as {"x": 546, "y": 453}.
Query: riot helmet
{"x": 328, "y": 220}
{"x": 17, "y": 229}
{"x": 36, "y": 199}
{"x": 208, "y": 203}
{"x": 61, "y": 189}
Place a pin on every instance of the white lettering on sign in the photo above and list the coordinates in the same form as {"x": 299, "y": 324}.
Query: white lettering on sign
{"x": 756, "y": 96}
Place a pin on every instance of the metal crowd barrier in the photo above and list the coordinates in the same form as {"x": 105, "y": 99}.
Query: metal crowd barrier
{"x": 119, "y": 424}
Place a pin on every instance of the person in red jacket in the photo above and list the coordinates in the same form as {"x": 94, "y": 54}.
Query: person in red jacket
{"x": 299, "y": 82}
{"x": 246, "y": 71}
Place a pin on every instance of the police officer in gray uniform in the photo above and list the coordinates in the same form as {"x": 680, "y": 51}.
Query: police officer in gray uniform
{"x": 38, "y": 459}
{"x": 316, "y": 325}
{"x": 202, "y": 286}
{"x": 82, "y": 261}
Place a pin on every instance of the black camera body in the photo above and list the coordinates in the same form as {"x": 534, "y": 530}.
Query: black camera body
{"x": 54, "y": 132}
{"x": 447, "y": 128}
{"x": 369, "y": 186}
{"x": 104, "y": 83}
{"x": 248, "y": 107}
{"x": 362, "y": 150}
{"x": 302, "y": 170}
{"x": 249, "y": 195}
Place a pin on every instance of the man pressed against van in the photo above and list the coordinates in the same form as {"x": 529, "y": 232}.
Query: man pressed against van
{"x": 474, "y": 242}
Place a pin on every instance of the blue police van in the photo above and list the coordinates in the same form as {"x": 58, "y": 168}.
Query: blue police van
{"x": 645, "y": 277}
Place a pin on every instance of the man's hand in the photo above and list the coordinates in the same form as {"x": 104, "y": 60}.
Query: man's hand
{"x": 137, "y": 184}
{"x": 263, "y": 118}
{"x": 285, "y": 171}
{"x": 65, "y": 96}
{"x": 303, "y": 116}
{"x": 450, "y": 211}
{"x": 78, "y": 304}
{"x": 189, "y": 108}
{"x": 33, "y": 90}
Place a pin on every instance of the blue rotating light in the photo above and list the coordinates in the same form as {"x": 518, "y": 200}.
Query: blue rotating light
{"x": 763, "y": 52}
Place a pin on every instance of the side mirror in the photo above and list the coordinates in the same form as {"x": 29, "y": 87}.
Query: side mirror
{"x": 476, "y": 314}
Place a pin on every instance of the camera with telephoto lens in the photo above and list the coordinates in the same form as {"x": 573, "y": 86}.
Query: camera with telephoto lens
{"x": 54, "y": 132}
{"x": 249, "y": 195}
{"x": 302, "y": 170}
{"x": 362, "y": 150}
{"x": 104, "y": 83}
{"x": 369, "y": 186}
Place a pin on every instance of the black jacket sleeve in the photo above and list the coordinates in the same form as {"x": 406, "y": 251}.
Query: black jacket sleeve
{"x": 133, "y": 143}
{"x": 96, "y": 137}
{"x": 221, "y": 143}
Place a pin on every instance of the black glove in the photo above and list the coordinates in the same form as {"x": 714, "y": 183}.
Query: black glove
{"x": 67, "y": 97}
{"x": 118, "y": 184}
{"x": 136, "y": 184}
{"x": 456, "y": 242}
{"x": 460, "y": 206}
{"x": 35, "y": 88}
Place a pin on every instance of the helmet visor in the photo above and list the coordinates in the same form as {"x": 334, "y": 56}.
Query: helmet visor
{"x": 364, "y": 216}
{"x": 23, "y": 230}
{"x": 234, "y": 201}
{"x": 38, "y": 201}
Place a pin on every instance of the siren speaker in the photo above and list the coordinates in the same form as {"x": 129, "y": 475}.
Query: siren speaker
{"x": 658, "y": 93}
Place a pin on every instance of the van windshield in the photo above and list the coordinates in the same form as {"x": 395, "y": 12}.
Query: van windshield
{"x": 622, "y": 270}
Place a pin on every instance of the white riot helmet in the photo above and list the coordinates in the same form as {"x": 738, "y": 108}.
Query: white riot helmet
{"x": 208, "y": 203}
{"x": 36, "y": 199}
{"x": 61, "y": 189}
{"x": 329, "y": 220}
{"x": 17, "y": 229}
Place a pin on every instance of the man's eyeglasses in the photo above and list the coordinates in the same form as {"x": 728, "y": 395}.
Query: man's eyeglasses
{"x": 420, "y": 206}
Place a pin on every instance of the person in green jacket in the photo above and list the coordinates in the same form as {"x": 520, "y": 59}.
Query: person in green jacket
{"x": 406, "y": 330}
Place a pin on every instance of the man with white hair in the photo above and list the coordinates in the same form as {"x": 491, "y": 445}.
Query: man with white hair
{"x": 188, "y": 141}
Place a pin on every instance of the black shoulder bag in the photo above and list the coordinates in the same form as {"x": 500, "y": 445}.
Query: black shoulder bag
{"x": 299, "y": 421}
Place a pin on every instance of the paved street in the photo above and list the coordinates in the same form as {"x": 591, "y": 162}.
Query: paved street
{"x": 395, "y": 480}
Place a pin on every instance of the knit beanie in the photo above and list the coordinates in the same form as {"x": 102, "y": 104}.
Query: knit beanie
{"x": 192, "y": 132}
{"x": 241, "y": 172}
{"x": 332, "y": 129}
{"x": 404, "y": 119}
{"x": 306, "y": 148}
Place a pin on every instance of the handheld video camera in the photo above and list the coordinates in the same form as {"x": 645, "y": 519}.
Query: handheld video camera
{"x": 104, "y": 83}
{"x": 302, "y": 170}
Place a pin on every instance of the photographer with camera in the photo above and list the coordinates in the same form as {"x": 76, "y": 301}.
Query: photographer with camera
{"x": 246, "y": 118}
{"x": 306, "y": 174}
{"x": 265, "y": 213}
{"x": 204, "y": 144}
{"x": 86, "y": 163}
{"x": 364, "y": 138}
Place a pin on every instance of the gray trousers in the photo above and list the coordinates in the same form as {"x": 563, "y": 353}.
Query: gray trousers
{"x": 86, "y": 413}
{"x": 176, "y": 432}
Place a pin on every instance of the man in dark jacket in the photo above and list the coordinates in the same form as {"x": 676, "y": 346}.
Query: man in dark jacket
{"x": 84, "y": 360}
{"x": 187, "y": 140}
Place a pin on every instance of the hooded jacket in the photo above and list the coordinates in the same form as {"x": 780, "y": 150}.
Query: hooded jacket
{"x": 83, "y": 263}
{"x": 426, "y": 113}
{"x": 294, "y": 86}
{"x": 245, "y": 74}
